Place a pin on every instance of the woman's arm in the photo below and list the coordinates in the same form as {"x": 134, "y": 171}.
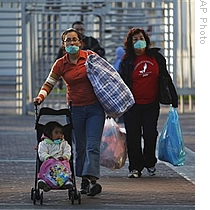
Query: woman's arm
{"x": 47, "y": 87}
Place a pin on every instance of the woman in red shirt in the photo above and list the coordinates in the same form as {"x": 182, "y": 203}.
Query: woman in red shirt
{"x": 140, "y": 69}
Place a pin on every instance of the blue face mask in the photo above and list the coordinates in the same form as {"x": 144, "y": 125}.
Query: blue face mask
{"x": 140, "y": 44}
{"x": 57, "y": 141}
{"x": 72, "y": 49}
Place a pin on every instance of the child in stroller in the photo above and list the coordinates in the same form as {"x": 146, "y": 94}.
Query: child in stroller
{"x": 54, "y": 153}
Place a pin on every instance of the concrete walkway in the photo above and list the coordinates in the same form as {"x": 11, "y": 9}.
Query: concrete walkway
{"x": 171, "y": 188}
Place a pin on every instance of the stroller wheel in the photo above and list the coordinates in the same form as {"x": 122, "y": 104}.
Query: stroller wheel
{"x": 75, "y": 195}
{"x": 32, "y": 193}
{"x": 34, "y": 197}
{"x": 71, "y": 196}
{"x": 79, "y": 197}
{"x": 41, "y": 198}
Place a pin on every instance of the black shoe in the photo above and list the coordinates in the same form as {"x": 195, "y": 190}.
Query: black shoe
{"x": 94, "y": 189}
{"x": 84, "y": 186}
{"x": 43, "y": 185}
{"x": 68, "y": 184}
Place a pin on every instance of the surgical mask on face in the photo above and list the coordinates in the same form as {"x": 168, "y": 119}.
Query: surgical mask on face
{"x": 57, "y": 141}
{"x": 140, "y": 44}
{"x": 72, "y": 49}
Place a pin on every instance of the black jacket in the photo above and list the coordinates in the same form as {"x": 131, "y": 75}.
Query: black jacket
{"x": 91, "y": 43}
{"x": 126, "y": 68}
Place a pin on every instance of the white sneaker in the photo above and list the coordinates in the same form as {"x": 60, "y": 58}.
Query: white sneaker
{"x": 134, "y": 174}
{"x": 151, "y": 171}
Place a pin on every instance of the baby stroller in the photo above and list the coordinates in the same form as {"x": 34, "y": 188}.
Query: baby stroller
{"x": 36, "y": 193}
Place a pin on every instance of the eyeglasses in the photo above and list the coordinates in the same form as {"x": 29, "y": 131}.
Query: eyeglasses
{"x": 74, "y": 40}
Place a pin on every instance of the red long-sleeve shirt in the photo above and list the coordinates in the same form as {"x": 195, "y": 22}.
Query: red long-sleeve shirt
{"x": 79, "y": 88}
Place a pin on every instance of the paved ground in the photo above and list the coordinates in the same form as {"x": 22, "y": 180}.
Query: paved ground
{"x": 171, "y": 188}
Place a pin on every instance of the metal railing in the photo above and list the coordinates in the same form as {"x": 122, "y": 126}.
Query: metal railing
{"x": 30, "y": 38}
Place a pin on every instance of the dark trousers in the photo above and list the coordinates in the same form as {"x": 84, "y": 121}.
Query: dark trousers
{"x": 141, "y": 121}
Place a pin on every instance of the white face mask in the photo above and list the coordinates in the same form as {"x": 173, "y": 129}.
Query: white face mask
{"x": 140, "y": 44}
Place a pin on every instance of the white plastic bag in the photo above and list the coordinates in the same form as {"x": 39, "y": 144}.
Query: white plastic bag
{"x": 113, "y": 146}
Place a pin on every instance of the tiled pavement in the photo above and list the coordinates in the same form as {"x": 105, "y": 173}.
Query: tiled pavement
{"x": 167, "y": 190}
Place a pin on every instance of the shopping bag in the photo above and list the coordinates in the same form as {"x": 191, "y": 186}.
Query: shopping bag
{"x": 171, "y": 144}
{"x": 55, "y": 172}
{"x": 113, "y": 152}
{"x": 111, "y": 91}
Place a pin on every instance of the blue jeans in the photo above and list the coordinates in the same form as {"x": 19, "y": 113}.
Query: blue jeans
{"x": 88, "y": 122}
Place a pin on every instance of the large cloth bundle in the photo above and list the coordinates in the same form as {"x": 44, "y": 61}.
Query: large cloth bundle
{"x": 111, "y": 91}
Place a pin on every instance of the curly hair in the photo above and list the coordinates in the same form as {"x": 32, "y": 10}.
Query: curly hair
{"x": 128, "y": 43}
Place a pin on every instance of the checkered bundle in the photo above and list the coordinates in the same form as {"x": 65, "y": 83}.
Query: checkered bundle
{"x": 111, "y": 91}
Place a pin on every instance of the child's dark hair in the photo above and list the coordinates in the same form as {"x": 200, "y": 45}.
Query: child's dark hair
{"x": 49, "y": 127}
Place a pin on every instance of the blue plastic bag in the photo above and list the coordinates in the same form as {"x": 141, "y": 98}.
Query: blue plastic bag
{"x": 171, "y": 144}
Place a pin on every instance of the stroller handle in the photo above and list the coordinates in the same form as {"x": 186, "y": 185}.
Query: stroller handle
{"x": 50, "y": 111}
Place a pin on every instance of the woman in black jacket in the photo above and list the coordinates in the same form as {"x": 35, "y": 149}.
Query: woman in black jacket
{"x": 140, "y": 69}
